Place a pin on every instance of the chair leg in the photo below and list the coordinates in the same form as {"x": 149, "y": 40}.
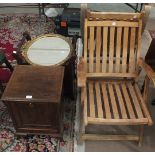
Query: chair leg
{"x": 141, "y": 135}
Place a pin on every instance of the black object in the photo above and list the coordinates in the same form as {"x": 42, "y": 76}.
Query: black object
{"x": 68, "y": 24}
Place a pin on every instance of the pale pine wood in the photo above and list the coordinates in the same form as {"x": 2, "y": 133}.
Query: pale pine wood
{"x": 83, "y": 11}
{"x": 128, "y": 102}
{"x": 146, "y": 89}
{"x": 132, "y": 46}
{"x": 98, "y": 49}
{"x": 118, "y": 49}
{"x": 114, "y": 15}
{"x": 99, "y": 102}
{"x": 111, "y": 50}
{"x": 113, "y": 101}
{"x": 135, "y": 101}
{"x": 85, "y": 106}
{"x": 139, "y": 40}
{"x": 125, "y": 48}
{"x": 117, "y": 98}
{"x": 105, "y": 39}
{"x": 109, "y": 137}
{"x": 120, "y": 101}
{"x": 81, "y": 73}
{"x": 113, "y": 23}
{"x": 91, "y": 50}
{"x": 141, "y": 135}
{"x": 129, "y": 75}
{"x": 148, "y": 70}
{"x": 91, "y": 99}
{"x": 101, "y": 121}
{"x": 85, "y": 40}
{"x": 143, "y": 105}
{"x": 106, "y": 101}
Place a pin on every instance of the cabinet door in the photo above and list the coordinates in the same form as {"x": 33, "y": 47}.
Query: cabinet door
{"x": 35, "y": 115}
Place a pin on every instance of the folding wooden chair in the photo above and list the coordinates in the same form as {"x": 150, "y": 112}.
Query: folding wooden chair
{"x": 108, "y": 73}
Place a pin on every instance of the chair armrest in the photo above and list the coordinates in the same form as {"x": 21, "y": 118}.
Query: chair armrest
{"x": 81, "y": 73}
{"x": 148, "y": 70}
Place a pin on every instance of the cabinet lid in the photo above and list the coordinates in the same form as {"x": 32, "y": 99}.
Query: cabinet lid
{"x": 35, "y": 84}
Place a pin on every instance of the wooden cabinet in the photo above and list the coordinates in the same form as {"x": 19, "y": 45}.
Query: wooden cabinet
{"x": 33, "y": 98}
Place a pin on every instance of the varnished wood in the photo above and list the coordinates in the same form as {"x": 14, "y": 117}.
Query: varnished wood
{"x": 101, "y": 121}
{"x": 98, "y": 49}
{"x": 81, "y": 73}
{"x": 125, "y": 48}
{"x": 33, "y": 98}
{"x": 135, "y": 101}
{"x": 98, "y": 99}
{"x": 128, "y": 102}
{"x": 113, "y": 101}
{"x": 91, "y": 100}
{"x": 109, "y": 137}
{"x": 132, "y": 51}
{"x": 143, "y": 105}
{"x": 112, "y": 69}
{"x": 91, "y": 50}
{"x": 121, "y": 102}
{"x": 111, "y": 49}
{"x": 148, "y": 70}
{"x": 106, "y": 101}
{"x": 112, "y": 23}
{"x": 118, "y": 49}
{"x": 114, "y": 15}
{"x": 129, "y": 75}
{"x": 105, "y": 40}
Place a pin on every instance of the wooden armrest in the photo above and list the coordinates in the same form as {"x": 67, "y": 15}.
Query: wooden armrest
{"x": 81, "y": 73}
{"x": 148, "y": 70}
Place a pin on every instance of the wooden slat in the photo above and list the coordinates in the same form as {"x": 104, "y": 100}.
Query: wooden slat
{"x": 85, "y": 40}
{"x": 111, "y": 49}
{"x": 113, "y": 101}
{"x": 99, "y": 102}
{"x": 109, "y": 137}
{"x": 118, "y": 49}
{"x": 98, "y": 49}
{"x": 91, "y": 50}
{"x": 125, "y": 48}
{"x": 120, "y": 101}
{"x": 105, "y": 40}
{"x": 91, "y": 99}
{"x": 135, "y": 101}
{"x": 85, "y": 106}
{"x": 139, "y": 39}
{"x": 132, "y": 46}
{"x": 132, "y": 75}
{"x": 111, "y": 23}
{"x": 143, "y": 105}
{"x": 106, "y": 121}
{"x": 114, "y": 15}
{"x": 128, "y": 102}
{"x": 106, "y": 101}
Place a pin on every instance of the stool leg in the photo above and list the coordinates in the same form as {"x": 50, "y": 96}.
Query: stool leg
{"x": 141, "y": 135}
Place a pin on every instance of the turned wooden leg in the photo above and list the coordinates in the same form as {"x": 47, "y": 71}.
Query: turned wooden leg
{"x": 141, "y": 135}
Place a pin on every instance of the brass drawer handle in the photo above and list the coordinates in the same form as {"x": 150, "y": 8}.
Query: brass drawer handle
{"x": 31, "y": 105}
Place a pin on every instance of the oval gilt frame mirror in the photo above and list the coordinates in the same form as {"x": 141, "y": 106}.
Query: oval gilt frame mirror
{"x": 47, "y": 50}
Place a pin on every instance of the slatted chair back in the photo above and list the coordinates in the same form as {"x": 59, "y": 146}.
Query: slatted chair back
{"x": 112, "y": 44}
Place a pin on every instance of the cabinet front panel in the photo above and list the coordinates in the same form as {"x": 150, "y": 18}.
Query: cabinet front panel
{"x": 35, "y": 115}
